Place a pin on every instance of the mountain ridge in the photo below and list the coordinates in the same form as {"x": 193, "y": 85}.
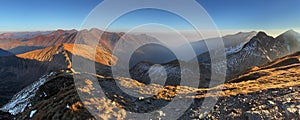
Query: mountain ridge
{"x": 274, "y": 73}
{"x": 269, "y": 94}
{"x": 85, "y": 51}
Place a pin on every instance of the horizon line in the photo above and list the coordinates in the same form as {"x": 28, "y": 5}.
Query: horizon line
{"x": 224, "y": 32}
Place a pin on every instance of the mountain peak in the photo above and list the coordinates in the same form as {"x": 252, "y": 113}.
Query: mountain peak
{"x": 291, "y": 32}
{"x": 261, "y": 33}
{"x": 96, "y": 30}
{"x": 251, "y": 32}
{"x": 59, "y": 31}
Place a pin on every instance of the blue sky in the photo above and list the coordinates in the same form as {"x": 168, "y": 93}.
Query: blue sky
{"x": 254, "y": 14}
{"x": 234, "y": 15}
{"x": 31, "y": 15}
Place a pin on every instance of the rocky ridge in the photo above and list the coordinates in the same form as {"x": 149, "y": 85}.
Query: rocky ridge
{"x": 267, "y": 92}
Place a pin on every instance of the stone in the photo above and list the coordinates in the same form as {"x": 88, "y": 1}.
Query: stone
{"x": 141, "y": 98}
{"x": 292, "y": 109}
{"x": 271, "y": 102}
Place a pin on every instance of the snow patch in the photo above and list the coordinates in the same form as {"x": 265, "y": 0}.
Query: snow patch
{"x": 234, "y": 49}
{"x": 68, "y": 106}
{"x": 45, "y": 94}
{"x": 32, "y": 113}
{"x": 22, "y": 99}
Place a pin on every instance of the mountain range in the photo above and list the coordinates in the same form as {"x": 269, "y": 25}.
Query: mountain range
{"x": 259, "y": 93}
{"x": 40, "y": 63}
{"x": 256, "y": 49}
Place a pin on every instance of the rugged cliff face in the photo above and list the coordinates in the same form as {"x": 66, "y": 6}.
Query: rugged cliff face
{"x": 262, "y": 49}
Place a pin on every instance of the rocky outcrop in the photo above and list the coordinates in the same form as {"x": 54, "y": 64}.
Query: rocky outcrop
{"x": 262, "y": 49}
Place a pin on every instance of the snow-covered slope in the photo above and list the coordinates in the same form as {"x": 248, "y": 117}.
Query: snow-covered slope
{"x": 21, "y": 100}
